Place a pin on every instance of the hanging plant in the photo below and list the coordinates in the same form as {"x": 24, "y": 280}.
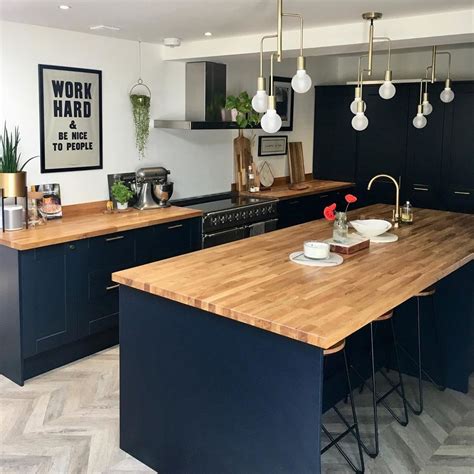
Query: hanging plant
{"x": 141, "y": 118}
{"x": 141, "y": 109}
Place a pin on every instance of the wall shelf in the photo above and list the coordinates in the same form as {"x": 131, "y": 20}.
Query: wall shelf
{"x": 192, "y": 125}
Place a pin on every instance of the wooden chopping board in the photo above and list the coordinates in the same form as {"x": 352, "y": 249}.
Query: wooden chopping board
{"x": 242, "y": 160}
{"x": 296, "y": 165}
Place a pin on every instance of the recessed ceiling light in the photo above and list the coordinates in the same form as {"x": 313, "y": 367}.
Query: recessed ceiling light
{"x": 64, "y": 7}
{"x": 207, "y": 33}
{"x": 104, "y": 27}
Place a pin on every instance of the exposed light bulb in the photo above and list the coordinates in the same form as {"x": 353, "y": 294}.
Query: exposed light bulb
{"x": 447, "y": 95}
{"x": 354, "y": 105}
{"x": 387, "y": 90}
{"x": 260, "y": 101}
{"x": 360, "y": 121}
{"x": 271, "y": 121}
{"x": 420, "y": 120}
{"x": 301, "y": 81}
{"x": 427, "y": 108}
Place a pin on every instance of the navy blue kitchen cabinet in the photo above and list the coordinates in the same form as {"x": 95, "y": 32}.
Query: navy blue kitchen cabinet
{"x": 59, "y": 302}
{"x": 435, "y": 163}
{"x": 308, "y": 208}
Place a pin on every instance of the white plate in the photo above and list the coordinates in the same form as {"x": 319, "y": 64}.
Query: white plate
{"x": 333, "y": 260}
{"x": 384, "y": 238}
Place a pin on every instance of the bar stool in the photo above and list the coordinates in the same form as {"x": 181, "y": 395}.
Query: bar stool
{"x": 351, "y": 428}
{"x": 395, "y": 387}
{"x": 426, "y": 293}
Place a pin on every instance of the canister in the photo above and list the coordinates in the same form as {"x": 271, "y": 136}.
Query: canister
{"x": 13, "y": 217}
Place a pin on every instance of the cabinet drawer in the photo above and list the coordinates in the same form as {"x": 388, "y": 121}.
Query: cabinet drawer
{"x": 172, "y": 239}
{"x": 423, "y": 195}
{"x": 459, "y": 199}
{"x": 112, "y": 250}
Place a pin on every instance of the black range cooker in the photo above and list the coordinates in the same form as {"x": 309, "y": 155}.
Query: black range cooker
{"x": 229, "y": 217}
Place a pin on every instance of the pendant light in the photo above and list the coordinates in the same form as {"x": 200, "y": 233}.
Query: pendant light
{"x": 271, "y": 121}
{"x": 447, "y": 95}
{"x": 386, "y": 91}
{"x": 301, "y": 81}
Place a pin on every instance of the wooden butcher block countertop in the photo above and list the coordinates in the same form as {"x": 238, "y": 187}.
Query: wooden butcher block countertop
{"x": 91, "y": 222}
{"x": 315, "y": 186}
{"x": 253, "y": 281}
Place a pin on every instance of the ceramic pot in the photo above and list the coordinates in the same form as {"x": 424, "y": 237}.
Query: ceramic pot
{"x": 122, "y": 207}
{"x": 13, "y": 184}
{"x": 233, "y": 114}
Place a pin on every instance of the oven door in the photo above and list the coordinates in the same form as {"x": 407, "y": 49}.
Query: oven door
{"x": 218, "y": 238}
{"x": 261, "y": 227}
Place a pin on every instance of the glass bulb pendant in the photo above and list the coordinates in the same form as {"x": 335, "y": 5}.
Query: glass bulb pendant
{"x": 271, "y": 121}
{"x": 301, "y": 82}
{"x": 427, "y": 108}
{"x": 387, "y": 90}
{"x": 420, "y": 120}
{"x": 360, "y": 121}
{"x": 354, "y": 105}
{"x": 260, "y": 102}
{"x": 447, "y": 95}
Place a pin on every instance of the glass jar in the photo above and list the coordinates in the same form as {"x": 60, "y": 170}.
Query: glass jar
{"x": 341, "y": 227}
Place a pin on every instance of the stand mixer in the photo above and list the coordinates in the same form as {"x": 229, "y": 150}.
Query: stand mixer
{"x": 153, "y": 188}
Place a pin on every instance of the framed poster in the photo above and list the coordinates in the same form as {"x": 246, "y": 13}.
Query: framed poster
{"x": 272, "y": 145}
{"x": 285, "y": 101}
{"x": 70, "y": 118}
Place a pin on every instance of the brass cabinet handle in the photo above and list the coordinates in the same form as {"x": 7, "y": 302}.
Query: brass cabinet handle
{"x": 177, "y": 226}
{"x": 293, "y": 202}
{"x": 464, "y": 193}
{"x": 72, "y": 247}
{"x": 111, "y": 239}
{"x": 112, "y": 287}
{"x": 323, "y": 196}
{"x": 420, "y": 189}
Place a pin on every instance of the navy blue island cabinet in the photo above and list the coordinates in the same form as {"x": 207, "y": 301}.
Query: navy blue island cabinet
{"x": 58, "y": 303}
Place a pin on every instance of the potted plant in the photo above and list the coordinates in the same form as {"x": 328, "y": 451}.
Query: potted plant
{"x": 12, "y": 176}
{"x": 242, "y": 111}
{"x": 122, "y": 194}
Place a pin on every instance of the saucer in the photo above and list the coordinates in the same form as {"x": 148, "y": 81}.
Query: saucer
{"x": 333, "y": 260}
{"x": 384, "y": 238}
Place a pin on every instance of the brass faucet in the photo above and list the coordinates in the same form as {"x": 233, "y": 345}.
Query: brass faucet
{"x": 395, "y": 215}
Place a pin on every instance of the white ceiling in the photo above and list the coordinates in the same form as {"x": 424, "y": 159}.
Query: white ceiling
{"x": 153, "y": 20}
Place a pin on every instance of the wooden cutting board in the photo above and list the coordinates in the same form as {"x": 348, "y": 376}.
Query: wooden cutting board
{"x": 296, "y": 164}
{"x": 242, "y": 160}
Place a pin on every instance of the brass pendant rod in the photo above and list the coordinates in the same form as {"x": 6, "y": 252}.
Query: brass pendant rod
{"x": 433, "y": 65}
{"x": 359, "y": 70}
{"x": 271, "y": 73}
{"x": 371, "y": 47}
{"x": 261, "y": 51}
{"x": 449, "y": 61}
{"x": 279, "y": 53}
{"x": 386, "y": 38}
{"x": 297, "y": 15}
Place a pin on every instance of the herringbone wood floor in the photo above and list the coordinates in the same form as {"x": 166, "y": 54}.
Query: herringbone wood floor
{"x": 66, "y": 421}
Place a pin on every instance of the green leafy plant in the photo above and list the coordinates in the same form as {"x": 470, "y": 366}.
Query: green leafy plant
{"x": 246, "y": 116}
{"x": 121, "y": 193}
{"x": 10, "y": 158}
{"x": 141, "y": 118}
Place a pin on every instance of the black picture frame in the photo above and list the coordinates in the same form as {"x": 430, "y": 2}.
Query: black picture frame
{"x": 285, "y": 101}
{"x": 269, "y": 138}
{"x": 44, "y": 167}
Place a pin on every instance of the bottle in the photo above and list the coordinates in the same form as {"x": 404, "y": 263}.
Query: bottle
{"x": 251, "y": 181}
{"x": 407, "y": 213}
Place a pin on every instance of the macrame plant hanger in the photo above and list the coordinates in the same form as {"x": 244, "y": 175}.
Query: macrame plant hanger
{"x": 141, "y": 108}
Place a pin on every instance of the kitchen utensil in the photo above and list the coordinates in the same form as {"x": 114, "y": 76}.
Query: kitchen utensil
{"x": 154, "y": 190}
{"x": 163, "y": 192}
{"x": 332, "y": 261}
{"x": 371, "y": 227}
{"x": 316, "y": 250}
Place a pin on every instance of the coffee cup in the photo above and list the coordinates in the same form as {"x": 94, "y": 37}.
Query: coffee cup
{"x": 316, "y": 250}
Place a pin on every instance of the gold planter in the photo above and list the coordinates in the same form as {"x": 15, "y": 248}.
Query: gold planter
{"x": 13, "y": 184}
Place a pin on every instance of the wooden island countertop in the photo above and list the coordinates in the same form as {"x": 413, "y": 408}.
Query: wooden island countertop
{"x": 253, "y": 281}
{"x": 87, "y": 222}
{"x": 315, "y": 186}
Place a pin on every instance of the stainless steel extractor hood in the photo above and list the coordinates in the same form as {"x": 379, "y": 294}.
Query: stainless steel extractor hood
{"x": 205, "y": 98}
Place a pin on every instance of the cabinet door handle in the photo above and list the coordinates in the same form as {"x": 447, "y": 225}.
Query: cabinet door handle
{"x": 293, "y": 202}
{"x": 464, "y": 193}
{"x": 111, "y": 287}
{"x": 111, "y": 239}
{"x": 72, "y": 247}
{"x": 420, "y": 189}
{"x": 323, "y": 196}
{"x": 177, "y": 226}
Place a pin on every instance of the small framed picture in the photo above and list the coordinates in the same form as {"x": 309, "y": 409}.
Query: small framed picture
{"x": 273, "y": 145}
{"x": 285, "y": 101}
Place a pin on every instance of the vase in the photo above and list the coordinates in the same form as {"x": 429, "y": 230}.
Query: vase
{"x": 233, "y": 114}
{"x": 341, "y": 227}
{"x": 122, "y": 207}
{"x": 13, "y": 184}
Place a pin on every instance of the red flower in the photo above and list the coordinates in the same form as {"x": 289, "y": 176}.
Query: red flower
{"x": 329, "y": 212}
{"x": 350, "y": 198}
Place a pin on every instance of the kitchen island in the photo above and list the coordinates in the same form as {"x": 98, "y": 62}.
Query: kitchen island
{"x": 221, "y": 350}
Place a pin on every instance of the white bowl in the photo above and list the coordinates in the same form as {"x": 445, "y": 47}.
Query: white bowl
{"x": 315, "y": 249}
{"x": 371, "y": 227}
